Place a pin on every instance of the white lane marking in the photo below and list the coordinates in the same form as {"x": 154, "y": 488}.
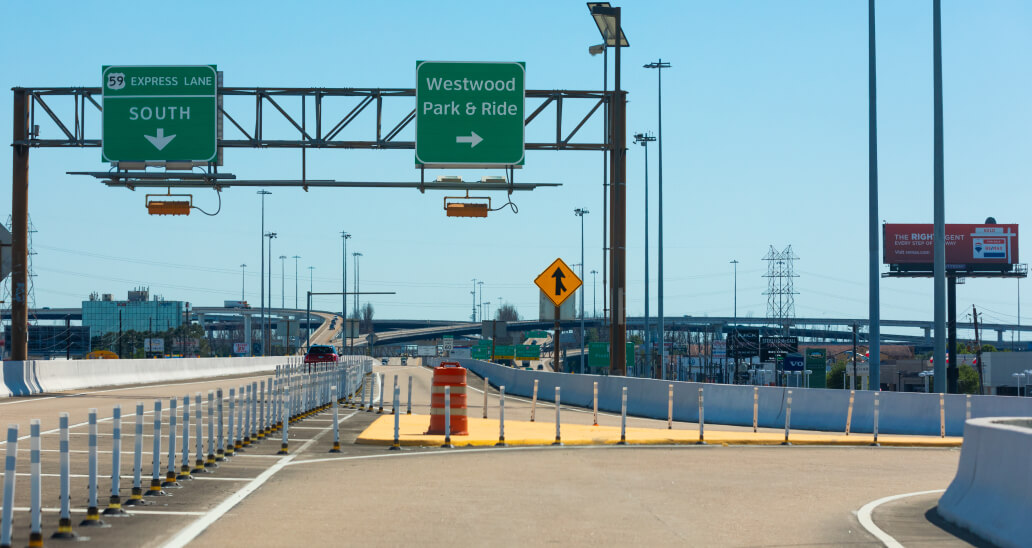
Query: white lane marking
{"x": 865, "y": 511}
{"x": 190, "y": 532}
{"x": 83, "y": 511}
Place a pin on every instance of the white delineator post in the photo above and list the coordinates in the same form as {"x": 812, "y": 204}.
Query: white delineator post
{"x": 788, "y": 417}
{"x": 501, "y": 417}
{"x": 487, "y": 386}
{"x": 408, "y": 401}
{"x": 594, "y": 401}
{"x": 170, "y": 476}
{"x": 220, "y": 451}
{"x": 755, "y": 407}
{"x": 7, "y": 516}
{"x": 114, "y": 502}
{"x": 92, "y": 512}
{"x": 670, "y": 407}
{"x": 849, "y": 412}
{"x": 558, "y": 406}
{"x": 36, "y": 487}
{"x": 286, "y": 421}
{"x": 155, "y": 485}
{"x": 447, "y": 417}
{"x": 533, "y": 401}
{"x": 136, "y": 496}
{"x": 702, "y": 420}
{"x": 64, "y": 524}
{"x": 875, "y": 442}
{"x": 395, "y": 404}
{"x": 623, "y": 416}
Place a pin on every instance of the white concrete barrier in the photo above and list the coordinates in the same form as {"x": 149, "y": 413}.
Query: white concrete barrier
{"x": 990, "y": 494}
{"x": 812, "y": 408}
{"x": 36, "y": 377}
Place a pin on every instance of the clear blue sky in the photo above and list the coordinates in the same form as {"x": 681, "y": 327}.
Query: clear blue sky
{"x": 765, "y": 119}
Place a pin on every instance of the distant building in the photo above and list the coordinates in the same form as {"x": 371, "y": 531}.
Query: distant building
{"x": 137, "y": 313}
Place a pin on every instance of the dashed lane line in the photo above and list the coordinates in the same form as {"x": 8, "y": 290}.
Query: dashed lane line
{"x": 192, "y": 531}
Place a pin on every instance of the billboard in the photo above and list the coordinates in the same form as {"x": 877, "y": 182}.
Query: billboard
{"x": 968, "y": 246}
{"x": 773, "y": 347}
{"x": 743, "y": 343}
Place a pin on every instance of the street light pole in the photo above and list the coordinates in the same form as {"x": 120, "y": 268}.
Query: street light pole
{"x": 344, "y": 287}
{"x": 267, "y": 340}
{"x": 594, "y": 294}
{"x": 295, "y": 257}
{"x": 581, "y": 212}
{"x": 735, "y": 330}
{"x": 473, "y": 315}
{"x": 644, "y": 139}
{"x": 659, "y": 66}
{"x": 261, "y": 292}
{"x": 481, "y": 285}
{"x": 243, "y": 270}
{"x": 283, "y": 281}
{"x": 355, "y": 256}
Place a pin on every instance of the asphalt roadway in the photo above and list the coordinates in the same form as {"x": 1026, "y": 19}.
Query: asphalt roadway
{"x": 368, "y": 495}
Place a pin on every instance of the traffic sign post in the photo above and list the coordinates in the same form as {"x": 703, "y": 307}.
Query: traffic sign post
{"x": 469, "y": 114}
{"x": 558, "y": 282}
{"x": 160, "y": 113}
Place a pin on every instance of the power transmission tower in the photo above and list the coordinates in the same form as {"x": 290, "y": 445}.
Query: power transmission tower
{"x": 780, "y": 285}
{"x": 31, "y": 276}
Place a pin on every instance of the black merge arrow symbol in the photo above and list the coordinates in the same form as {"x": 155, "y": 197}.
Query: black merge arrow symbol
{"x": 558, "y": 275}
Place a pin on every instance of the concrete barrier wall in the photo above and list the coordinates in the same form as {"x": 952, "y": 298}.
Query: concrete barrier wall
{"x": 37, "y": 377}
{"x": 812, "y": 408}
{"x": 990, "y": 494}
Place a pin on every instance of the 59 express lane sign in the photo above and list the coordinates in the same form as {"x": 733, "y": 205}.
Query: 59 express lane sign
{"x": 469, "y": 114}
{"x": 160, "y": 113}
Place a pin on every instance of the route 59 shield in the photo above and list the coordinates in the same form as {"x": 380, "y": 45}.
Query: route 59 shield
{"x": 558, "y": 282}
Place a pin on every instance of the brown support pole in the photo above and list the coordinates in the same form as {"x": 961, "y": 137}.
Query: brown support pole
{"x": 556, "y": 359}
{"x": 20, "y": 229}
{"x": 618, "y": 227}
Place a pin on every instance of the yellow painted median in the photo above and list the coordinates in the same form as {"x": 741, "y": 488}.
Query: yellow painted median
{"x": 484, "y": 432}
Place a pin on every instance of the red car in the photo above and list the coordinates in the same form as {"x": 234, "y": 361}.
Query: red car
{"x": 321, "y": 353}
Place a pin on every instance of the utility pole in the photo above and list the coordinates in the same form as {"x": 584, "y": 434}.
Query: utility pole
{"x": 594, "y": 294}
{"x": 473, "y": 315}
{"x": 659, "y": 66}
{"x": 873, "y": 275}
{"x": 939, "y": 203}
{"x": 853, "y": 377}
{"x": 978, "y": 351}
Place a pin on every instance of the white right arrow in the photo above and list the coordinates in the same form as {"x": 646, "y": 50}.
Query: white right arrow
{"x": 473, "y": 139}
{"x": 160, "y": 141}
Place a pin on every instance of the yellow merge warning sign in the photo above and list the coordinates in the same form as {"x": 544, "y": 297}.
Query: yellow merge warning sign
{"x": 558, "y": 282}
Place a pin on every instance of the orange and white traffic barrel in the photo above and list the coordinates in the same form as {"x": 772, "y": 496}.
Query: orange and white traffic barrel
{"x": 452, "y": 375}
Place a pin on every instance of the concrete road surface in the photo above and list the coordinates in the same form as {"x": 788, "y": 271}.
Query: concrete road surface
{"x": 367, "y": 495}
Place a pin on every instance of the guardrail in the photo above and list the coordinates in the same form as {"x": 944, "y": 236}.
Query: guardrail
{"x": 990, "y": 495}
{"x": 26, "y": 378}
{"x": 812, "y": 408}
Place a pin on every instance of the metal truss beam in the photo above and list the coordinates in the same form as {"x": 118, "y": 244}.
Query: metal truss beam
{"x": 296, "y": 133}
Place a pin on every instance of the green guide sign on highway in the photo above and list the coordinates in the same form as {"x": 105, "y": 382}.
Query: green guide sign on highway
{"x": 160, "y": 113}
{"x": 469, "y": 114}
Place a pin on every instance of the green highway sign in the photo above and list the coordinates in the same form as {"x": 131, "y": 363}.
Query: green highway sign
{"x": 504, "y": 352}
{"x": 528, "y": 352}
{"x": 160, "y": 113}
{"x": 469, "y": 114}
